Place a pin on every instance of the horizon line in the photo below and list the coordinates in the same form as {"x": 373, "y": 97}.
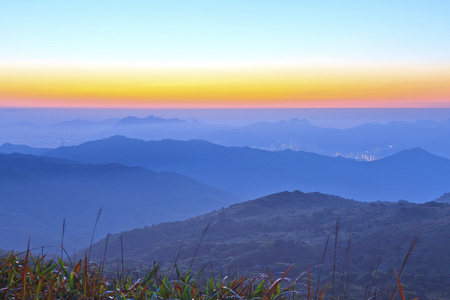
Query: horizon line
{"x": 216, "y": 107}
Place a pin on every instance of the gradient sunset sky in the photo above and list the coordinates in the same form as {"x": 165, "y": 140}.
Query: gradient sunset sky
{"x": 213, "y": 54}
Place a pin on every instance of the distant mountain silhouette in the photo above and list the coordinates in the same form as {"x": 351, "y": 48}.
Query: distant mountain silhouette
{"x": 282, "y": 229}
{"x": 148, "y": 120}
{"x": 367, "y": 141}
{"x": 414, "y": 175}
{"x": 8, "y": 148}
{"x": 38, "y": 192}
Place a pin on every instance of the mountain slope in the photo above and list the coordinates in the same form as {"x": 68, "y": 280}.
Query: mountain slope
{"x": 280, "y": 229}
{"x": 37, "y": 193}
{"x": 413, "y": 175}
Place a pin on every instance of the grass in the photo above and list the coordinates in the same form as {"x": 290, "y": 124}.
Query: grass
{"x": 40, "y": 278}
{"x": 30, "y": 277}
{"x": 26, "y": 276}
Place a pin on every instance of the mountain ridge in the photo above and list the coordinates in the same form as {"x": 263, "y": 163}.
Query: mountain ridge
{"x": 130, "y": 120}
{"x": 414, "y": 175}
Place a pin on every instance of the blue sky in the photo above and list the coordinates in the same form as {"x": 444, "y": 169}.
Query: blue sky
{"x": 225, "y": 31}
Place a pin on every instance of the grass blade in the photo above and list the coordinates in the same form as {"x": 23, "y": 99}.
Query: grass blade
{"x": 93, "y": 231}
{"x": 199, "y": 243}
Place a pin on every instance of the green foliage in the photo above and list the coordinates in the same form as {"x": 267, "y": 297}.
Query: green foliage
{"x": 42, "y": 278}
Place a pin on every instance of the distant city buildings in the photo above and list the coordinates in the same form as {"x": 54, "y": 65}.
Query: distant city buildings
{"x": 367, "y": 155}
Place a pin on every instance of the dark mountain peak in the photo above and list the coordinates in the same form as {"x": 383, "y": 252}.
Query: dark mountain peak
{"x": 445, "y": 198}
{"x": 114, "y": 140}
{"x": 95, "y": 147}
{"x": 312, "y": 198}
{"x": 411, "y": 155}
{"x": 296, "y": 122}
{"x": 130, "y": 151}
{"x": 295, "y": 200}
{"x": 148, "y": 121}
{"x": 117, "y": 137}
{"x": 370, "y": 125}
{"x": 416, "y": 152}
{"x": 191, "y": 145}
{"x": 303, "y": 121}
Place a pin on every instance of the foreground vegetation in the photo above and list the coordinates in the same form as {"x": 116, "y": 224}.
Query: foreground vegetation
{"x": 368, "y": 242}
{"x": 228, "y": 254}
{"x": 30, "y": 277}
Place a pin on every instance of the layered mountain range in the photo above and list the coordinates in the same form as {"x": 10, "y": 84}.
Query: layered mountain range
{"x": 171, "y": 197}
{"x": 368, "y": 141}
{"x": 414, "y": 175}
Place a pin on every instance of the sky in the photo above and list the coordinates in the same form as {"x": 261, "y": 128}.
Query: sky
{"x": 224, "y": 54}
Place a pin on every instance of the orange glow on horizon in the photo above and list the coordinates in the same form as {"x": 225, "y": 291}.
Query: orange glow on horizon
{"x": 225, "y": 88}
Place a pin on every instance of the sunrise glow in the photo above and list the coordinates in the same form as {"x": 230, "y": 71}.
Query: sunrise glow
{"x": 257, "y": 86}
